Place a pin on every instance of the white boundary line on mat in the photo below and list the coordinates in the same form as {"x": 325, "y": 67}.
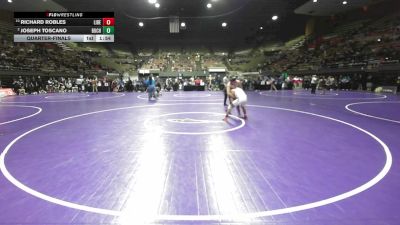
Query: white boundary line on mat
{"x": 22, "y": 118}
{"x": 348, "y": 107}
{"x": 220, "y": 217}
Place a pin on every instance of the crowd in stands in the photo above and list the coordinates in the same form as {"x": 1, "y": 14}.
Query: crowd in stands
{"x": 179, "y": 62}
{"x": 213, "y": 61}
{"x": 159, "y": 63}
{"x": 39, "y": 85}
{"x": 370, "y": 46}
{"x": 183, "y": 63}
{"x": 171, "y": 62}
{"x": 44, "y": 57}
{"x": 237, "y": 61}
{"x": 373, "y": 44}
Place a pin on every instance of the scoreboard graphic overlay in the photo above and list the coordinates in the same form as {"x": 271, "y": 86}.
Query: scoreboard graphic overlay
{"x": 64, "y": 26}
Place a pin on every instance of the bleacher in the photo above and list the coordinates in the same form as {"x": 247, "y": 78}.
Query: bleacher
{"x": 350, "y": 27}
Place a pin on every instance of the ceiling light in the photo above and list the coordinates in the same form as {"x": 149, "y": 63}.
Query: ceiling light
{"x": 209, "y": 5}
{"x": 344, "y": 2}
{"x": 275, "y": 17}
{"x": 224, "y": 24}
{"x": 183, "y": 24}
{"x": 152, "y": 1}
{"x": 157, "y": 5}
{"x": 315, "y": 1}
{"x": 261, "y": 28}
{"x": 9, "y": 1}
{"x": 141, "y": 24}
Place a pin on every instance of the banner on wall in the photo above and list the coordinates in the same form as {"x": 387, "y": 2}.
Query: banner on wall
{"x": 6, "y": 92}
{"x": 216, "y": 70}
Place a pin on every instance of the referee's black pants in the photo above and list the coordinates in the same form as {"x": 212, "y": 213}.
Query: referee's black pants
{"x": 313, "y": 88}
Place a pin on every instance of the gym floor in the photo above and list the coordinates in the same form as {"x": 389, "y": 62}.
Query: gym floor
{"x": 116, "y": 158}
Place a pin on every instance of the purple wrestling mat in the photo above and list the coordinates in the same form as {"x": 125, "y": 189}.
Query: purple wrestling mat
{"x": 299, "y": 159}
